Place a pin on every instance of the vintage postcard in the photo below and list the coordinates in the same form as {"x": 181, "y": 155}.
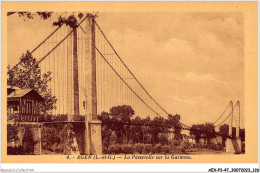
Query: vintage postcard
{"x": 129, "y": 82}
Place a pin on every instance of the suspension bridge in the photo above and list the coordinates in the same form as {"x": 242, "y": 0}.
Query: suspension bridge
{"x": 89, "y": 77}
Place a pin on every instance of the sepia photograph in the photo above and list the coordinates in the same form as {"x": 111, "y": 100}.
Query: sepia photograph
{"x": 128, "y": 84}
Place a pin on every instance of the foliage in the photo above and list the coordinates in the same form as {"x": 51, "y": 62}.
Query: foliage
{"x": 70, "y": 19}
{"x": 121, "y": 127}
{"x": 28, "y": 139}
{"x": 217, "y": 147}
{"x": 106, "y": 136}
{"x": 206, "y": 130}
{"x": 175, "y": 142}
{"x": 50, "y": 136}
{"x": 144, "y": 135}
{"x": 58, "y": 138}
{"x": 184, "y": 145}
{"x": 28, "y": 75}
{"x": 115, "y": 119}
{"x": 157, "y": 148}
{"x": 127, "y": 149}
{"x": 13, "y": 117}
{"x": 122, "y": 113}
{"x": 139, "y": 148}
{"x": 78, "y": 117}
{"x": 30, "y": 15}
{"x": 148, "y": 148}
{"x": 162, "y": 139}
{"x": 21, "y": 78}
{"x": 16, "y": 150}
{"x": 67, "y": 135}
{"x": 12, "y": 133}
{"x": 224, "y": 130}
{"x": 174, "y": 122}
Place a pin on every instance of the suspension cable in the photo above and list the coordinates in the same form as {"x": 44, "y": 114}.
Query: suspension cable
{"x": 222, "y": 113}
{"x": 227, "y": 116}
{"x": 37, "y": 63}
{"x": 125, "y": 82}
{"x": 129, "y": 69}
{"x": 36, "y": 47}
{"x": 133, "y": 77}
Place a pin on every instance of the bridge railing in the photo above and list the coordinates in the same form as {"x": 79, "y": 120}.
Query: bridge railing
{"x": 24, "y": 118}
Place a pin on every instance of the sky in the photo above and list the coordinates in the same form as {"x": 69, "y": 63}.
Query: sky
{"x": 191, "y": 63}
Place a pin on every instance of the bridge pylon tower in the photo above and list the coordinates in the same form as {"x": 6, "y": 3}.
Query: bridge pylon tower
{"x": 90, "y": 141}
{"x": 233, "y": 144}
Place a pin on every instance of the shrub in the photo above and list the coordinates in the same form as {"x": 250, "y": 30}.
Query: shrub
{"x": 12, "y": 133}
{"x": 60, "y": 117}
{"x": 199, "y": 146}
{"x": 138, "y": 148}
{"x": 117, "y": 149}
{"x": 176, "y": 150}
{"x": 175, "y": 142}
{"x": 58, "y": 147}
{"x": 216, "y": 147}
{"x": 50, "y": 136}
{"x": 184, "y": 145}
{"x": 13, "y": 117}
{"x": 206, "y": 146}
{"x": 142, "y": 149}
{"x": 157, "y": 149}
{"x": 166, "y": 149}
{"x": 148, "y": 148}
{"x": 28, "y": 140}
{"x": 163, "y": 139}
{"x": 111, "y": 149}
{"x": 127, "y": 149}
{"x": 79, "y": 118}
{"x": 54, "y": 147}
{"x": 17, "y": 150}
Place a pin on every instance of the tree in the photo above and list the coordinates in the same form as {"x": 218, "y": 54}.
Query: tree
{"x": 146, "y": 130}
{"x": 115, "y": 120}
{"x": 224, "y": 130}
{"x": 29, "y": 15}
{"x": 136, "y": 131}
{"x": 69, "y": 19}
{"x": 106, "y": 129}
{"x": 174, "y": 121}
{"x": 12, "y": 133}
{"x": 184, "y": 145}
{"x": 122, "y": 114}
{"x": 67, "y": 137}
{"x": 158, "y": 127}
{"x": 120, "y": 122}
{"x": 50, "y": 135}
{"x": 28, "y": 141}
{"x": 20, "y": 78}
{"x": 206, "y": 130}
{"x": 28, "y": 76}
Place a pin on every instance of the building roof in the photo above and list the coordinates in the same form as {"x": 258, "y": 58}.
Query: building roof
{"x": 19, "y": 93}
